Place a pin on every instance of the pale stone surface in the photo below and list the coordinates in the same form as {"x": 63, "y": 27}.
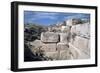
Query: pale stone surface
{"x": 65, "y": 55}
{"x": 83, "y": 55}
{"x": 56, "y": 45}
{"x": 83, "y": 45}
{"x": 81, "y": 29}
{"x": 36, "y": 46}
{"x": 49, "y": 37}
{"x": 88, "y": 50}
{"x": 52, "y": 55}
{"x": 64, "y": 37}
{"x": 36, "y": 43}
{"x": 49, "y": 47}
{"x": 75, "y": 54}
{"x": 65, "y": 29}
{"x": 78, "y": 53}
{"x": 82, "y": 39}
{"x": 62, "y": 46}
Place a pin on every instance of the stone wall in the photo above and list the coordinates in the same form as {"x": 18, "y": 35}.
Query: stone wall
{"x": 73, "y": 42}
{"x": 81, "y": 40}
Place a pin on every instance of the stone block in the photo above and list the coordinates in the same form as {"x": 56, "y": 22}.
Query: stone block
{"x": 49, "y": 37}
{"x": 49, "y": 47}
{"x": 81, "y": 43}
{"x": 59, "y": 55}
{"x": 81, "y": 30}
{"x": 62, "y": 46}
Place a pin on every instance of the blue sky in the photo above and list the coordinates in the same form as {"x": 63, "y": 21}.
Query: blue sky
{"x": 48, "y": 18}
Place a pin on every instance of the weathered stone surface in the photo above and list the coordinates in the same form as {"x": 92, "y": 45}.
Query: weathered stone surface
{"x": 49, "y": 47}
{"x": 36, "y": 43}
{"x": 83, "y": 45}
{"x": 52, "y": 55}
{"x": 64, "y": 37}
{"x": 89, "y": 43}
{"x": 65, "y": 55}
{"x": 65, "y": 41}
{"x": 59, "y": 55}
{"x": 62, "y": 46}
{"x": 49, "y": 37}
{"x": 82, "y": 30}
{"x": 83, "y": 55}
{"x": 75, "y": 54}
{"x": 36, "y": 46}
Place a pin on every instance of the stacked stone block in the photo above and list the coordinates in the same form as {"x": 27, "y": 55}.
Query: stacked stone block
{"x": 72, "y": 43}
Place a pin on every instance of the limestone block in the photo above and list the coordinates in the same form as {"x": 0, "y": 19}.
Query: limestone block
{"x": 62, "y": 46}
{"x": 81, "y": 29}
{"x": 64, "y": 37}
{"x": 81, "y": 43}
{"x": 49, "y": 47}
{"x": 50, "y": 37}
